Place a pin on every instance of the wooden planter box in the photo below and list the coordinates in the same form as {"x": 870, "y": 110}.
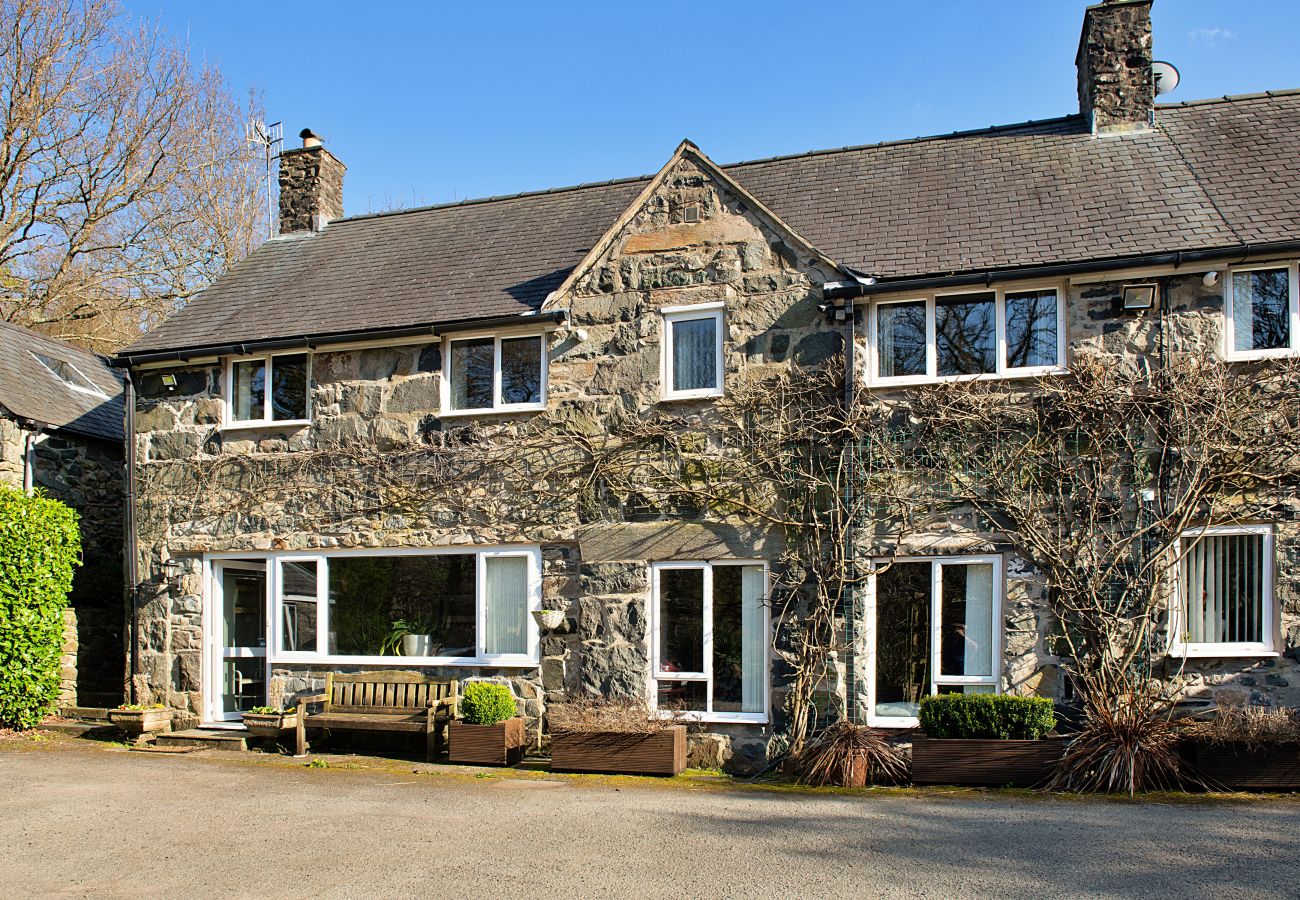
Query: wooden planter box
{"x": 270, "y": 725}
{"x": 501, "y": 744}
{"x": 1241, "y": 767}
{"x": 141, "y": 721}
{"x": 657, "y": 753}
{"x": 984, "y": 762}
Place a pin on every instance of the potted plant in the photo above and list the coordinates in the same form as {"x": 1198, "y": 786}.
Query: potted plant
{"x": 139, "y": 718}
{"x": 985, "y": 739}
{"x": 615, "y": 736}
{"x": 848, "y": 755}
{"x": 269, "y": 722}
{"x": 409, "y": 637}
{"x": 490, "y": 731}
{"x": 1245, "y": 748}
{"x": 549, "y": 619}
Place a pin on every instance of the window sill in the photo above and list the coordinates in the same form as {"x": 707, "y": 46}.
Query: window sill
{"x": 898, "y": 722}
{"x": 262, "y": 424}
{"x": 487, "y": 662}
{"x": 716, "y": 718}
{"x": 1257, "y": 355}
{"x": 496, "y": 411}
{"x": 1222, "y": 651}
{"x": 691, "y": 395}
{"x": 914, "y": 380}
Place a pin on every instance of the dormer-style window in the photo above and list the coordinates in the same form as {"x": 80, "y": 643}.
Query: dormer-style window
{"x": 68, "y": 374}
{"x": 692, "y": 355}
{"x": 495, "y": 373}
{"x": 1262, "y": 314}
{"x": 268, "y": 390}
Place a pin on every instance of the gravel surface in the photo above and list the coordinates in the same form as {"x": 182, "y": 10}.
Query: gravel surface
{"x": 87, "y": 820}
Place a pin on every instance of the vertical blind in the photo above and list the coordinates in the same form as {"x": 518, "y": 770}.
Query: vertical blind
{"x": 506, "y": 604}
{"x": 753, "y": 638}
{"x": 1223, "y": 589}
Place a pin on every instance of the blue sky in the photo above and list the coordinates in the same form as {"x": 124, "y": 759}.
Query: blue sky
{"x": 435, "y": 102}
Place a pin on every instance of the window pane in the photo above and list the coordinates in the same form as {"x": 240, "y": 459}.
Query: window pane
{"x": 249, "y": 390}
{"x": 695, "y": 354}
{"x": 243, "y": 620}
{"x": 1031, "y": 329}
{"x": 739, "y": 641}
{"x": 683, "y": 696}
{"x": 472, "y": 364}
{"x": 298, "y": 605}
{"x": 521, "y": 370}
{"x": 966, "y": 620}
{"x": 1223, "y": 589}
{"x": 244, "y": 684}
{"x": 506, "y": 604}
{"x": 966, "y": 335}
{"x": 681, "y": 620}
{"x": 289, "y": 387}
{"x": 902, "y": 638}
{"x": 900, "y": 329}
{"x": 429, "y": 595}
{"x": 1261, "y": 309}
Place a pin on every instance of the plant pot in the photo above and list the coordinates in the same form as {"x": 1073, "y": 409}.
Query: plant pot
{"x": 993, "y": 763}
{"x": 270, "y": 725}
{"x": 417, "y": 645}
{"x": 141, "y": 721}
{"x": 549, "y": 619}
{"x": 654, "y": 753}
{"x": 1244, "y": 767}
{"x": 501, "y": 744}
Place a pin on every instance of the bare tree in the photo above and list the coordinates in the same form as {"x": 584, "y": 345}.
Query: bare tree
{"x": 125, "y": 182}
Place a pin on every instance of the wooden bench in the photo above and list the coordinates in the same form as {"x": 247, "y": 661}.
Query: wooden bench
{"x": 382, "y": 701}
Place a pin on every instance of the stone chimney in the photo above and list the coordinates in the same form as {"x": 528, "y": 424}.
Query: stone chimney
{"x": 311, "y": 186}
{"x": 1116, "y": 87}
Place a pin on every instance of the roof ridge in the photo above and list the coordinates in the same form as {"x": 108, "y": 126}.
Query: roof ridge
{"x": 1231, "y": 98}
{"x": 53, "y": 340}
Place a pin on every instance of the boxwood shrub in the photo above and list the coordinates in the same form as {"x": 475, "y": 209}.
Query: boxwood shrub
{"x": 994, "y": 716}
{"x": 39, "y": 546}
{"x": 486, "y": 703}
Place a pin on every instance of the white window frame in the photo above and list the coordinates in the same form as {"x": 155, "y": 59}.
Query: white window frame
{"x": 228, "y": 392}
{"x": 93, "y": 390}
{"x": 996, "y": 636}
{"x": 654, "y": 672}
{"x": 1229, "y": 319}
{"x": 497, "y": 406}
{"x": 275, "y": 610}
{"x": 1264, "y": 649}
{"x": 672, "y": 314}
{"x": 1001, "y": 369}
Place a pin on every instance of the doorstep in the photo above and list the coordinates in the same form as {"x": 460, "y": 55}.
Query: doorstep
{"x": 235, "y": 739}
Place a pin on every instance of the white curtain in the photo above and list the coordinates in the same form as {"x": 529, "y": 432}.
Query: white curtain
{"x": 695, "y": 353}
{"x": 753, "y": 640}
{"x": 506, "y": 608}
{"x": 1222, "y": 589}
{"x": 979, "y": 619}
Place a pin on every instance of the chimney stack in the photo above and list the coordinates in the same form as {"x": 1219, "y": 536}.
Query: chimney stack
{"x": 1116, "y": 87}
{"x": 311, "y": 186}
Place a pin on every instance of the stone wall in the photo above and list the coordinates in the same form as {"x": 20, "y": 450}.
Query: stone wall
{"x": 12, "y": 450}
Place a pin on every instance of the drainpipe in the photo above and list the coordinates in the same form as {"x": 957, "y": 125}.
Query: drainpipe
{"x": 132, "y": 598}
{"x": 29, "y": 459}
{"x": 850, "y": 532}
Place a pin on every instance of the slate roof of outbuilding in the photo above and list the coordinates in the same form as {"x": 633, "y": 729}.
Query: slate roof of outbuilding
{"x": 1211, "y": 174}
{"x": 30, "y": 390}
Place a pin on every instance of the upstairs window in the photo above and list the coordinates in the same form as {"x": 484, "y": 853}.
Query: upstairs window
{"x": 267, "y": 390}
{"x": 1261, "y": 317}
{"x": 493, "y": 373}
{"x": 68, "y": 374}
{"x": 1225, "y": 602}
{"x": 985, "y": 333}
{"x": 692, "y": 361}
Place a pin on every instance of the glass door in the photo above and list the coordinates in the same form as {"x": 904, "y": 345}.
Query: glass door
{"x": 237, "y": 673}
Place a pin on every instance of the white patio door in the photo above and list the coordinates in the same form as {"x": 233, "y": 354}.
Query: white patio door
{"x": 235, "y": 639}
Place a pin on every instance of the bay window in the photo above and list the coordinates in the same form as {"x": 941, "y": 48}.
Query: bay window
{"x": 933, "y": 629}
{"x": 709, "y": 640}
{"x": 1001, "y": 332}
{"x": 268, "y": 390}
{"x": 1225, "y": 603}
{"x": 495, "y": 373}
{"x": 692, "y": 354}
{"x": 1262, "y": 317}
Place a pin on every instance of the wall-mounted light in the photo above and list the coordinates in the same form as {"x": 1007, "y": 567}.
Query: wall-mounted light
{"x": 1210, "y": 279}
{"x": 172, "y": 569}
{"x": 1139, "y": 296}
{"x": 169, "y": 381}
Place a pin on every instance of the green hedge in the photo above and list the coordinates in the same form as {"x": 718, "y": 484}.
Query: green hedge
{"x": 39, "y": 546}
{"x": 486, "y": 703}
{"x": 987, "y": 716}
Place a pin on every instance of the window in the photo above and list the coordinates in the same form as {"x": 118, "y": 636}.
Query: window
{"x": 400, "y": 607}
{"x": 1261, "y": 317}
{"x": 934, "y": 630}
{"x": 495, "y": 373}
{"x": 692, "y": 365}
{"x": 1225, "y": 597}
{"x": 269, "y": 389}
{"x": 992, "y": 333}
{"x": 68, "y": 374}
{"x": 710, "y": 640}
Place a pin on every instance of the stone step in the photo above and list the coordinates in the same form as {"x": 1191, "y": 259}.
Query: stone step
{"x": 90, "y": 729}
{"x": 84, "y": 713}
{"x": 206, "y": 738}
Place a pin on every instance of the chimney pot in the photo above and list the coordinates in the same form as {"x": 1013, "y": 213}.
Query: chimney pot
{"x": 309, "y": 138}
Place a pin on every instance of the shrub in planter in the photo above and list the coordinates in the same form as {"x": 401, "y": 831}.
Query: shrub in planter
{"x": 490, "y": 730}
{"x": 985, "y": 739}
{"x": 849, "y": 755}
{"x": 1126, "y": 743}
{"x": 136, "y": 718}
{"x": 626, "y": 737}
{"x": 39, "y": 546}
{"x": 1245, "y": 748}
{"x": 269, "y": 722}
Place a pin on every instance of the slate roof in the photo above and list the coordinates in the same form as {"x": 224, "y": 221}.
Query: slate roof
{"x": 30, "y": 390}
{"x": 1211, "y": 174}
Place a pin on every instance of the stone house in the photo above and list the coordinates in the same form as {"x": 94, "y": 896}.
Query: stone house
{"x": 61, "y": 414}
{"x": 291, "y": 428}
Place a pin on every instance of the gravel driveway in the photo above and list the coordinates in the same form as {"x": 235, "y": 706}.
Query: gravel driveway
{"x": 86, "y": 820}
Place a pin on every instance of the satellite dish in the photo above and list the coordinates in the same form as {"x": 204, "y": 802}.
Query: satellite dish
{"x": 1166, "y": 77}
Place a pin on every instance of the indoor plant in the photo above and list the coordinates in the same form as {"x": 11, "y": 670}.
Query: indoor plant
{"x": 269, "y": 722}
{"x": 598, "y": 735}
{"x": 490, "y": 730}
{"x": 1245, "y": 748}
{"x": 985, "y": 739}
{"x": 409, "y": 637}
{"x": 137, "y": 718}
